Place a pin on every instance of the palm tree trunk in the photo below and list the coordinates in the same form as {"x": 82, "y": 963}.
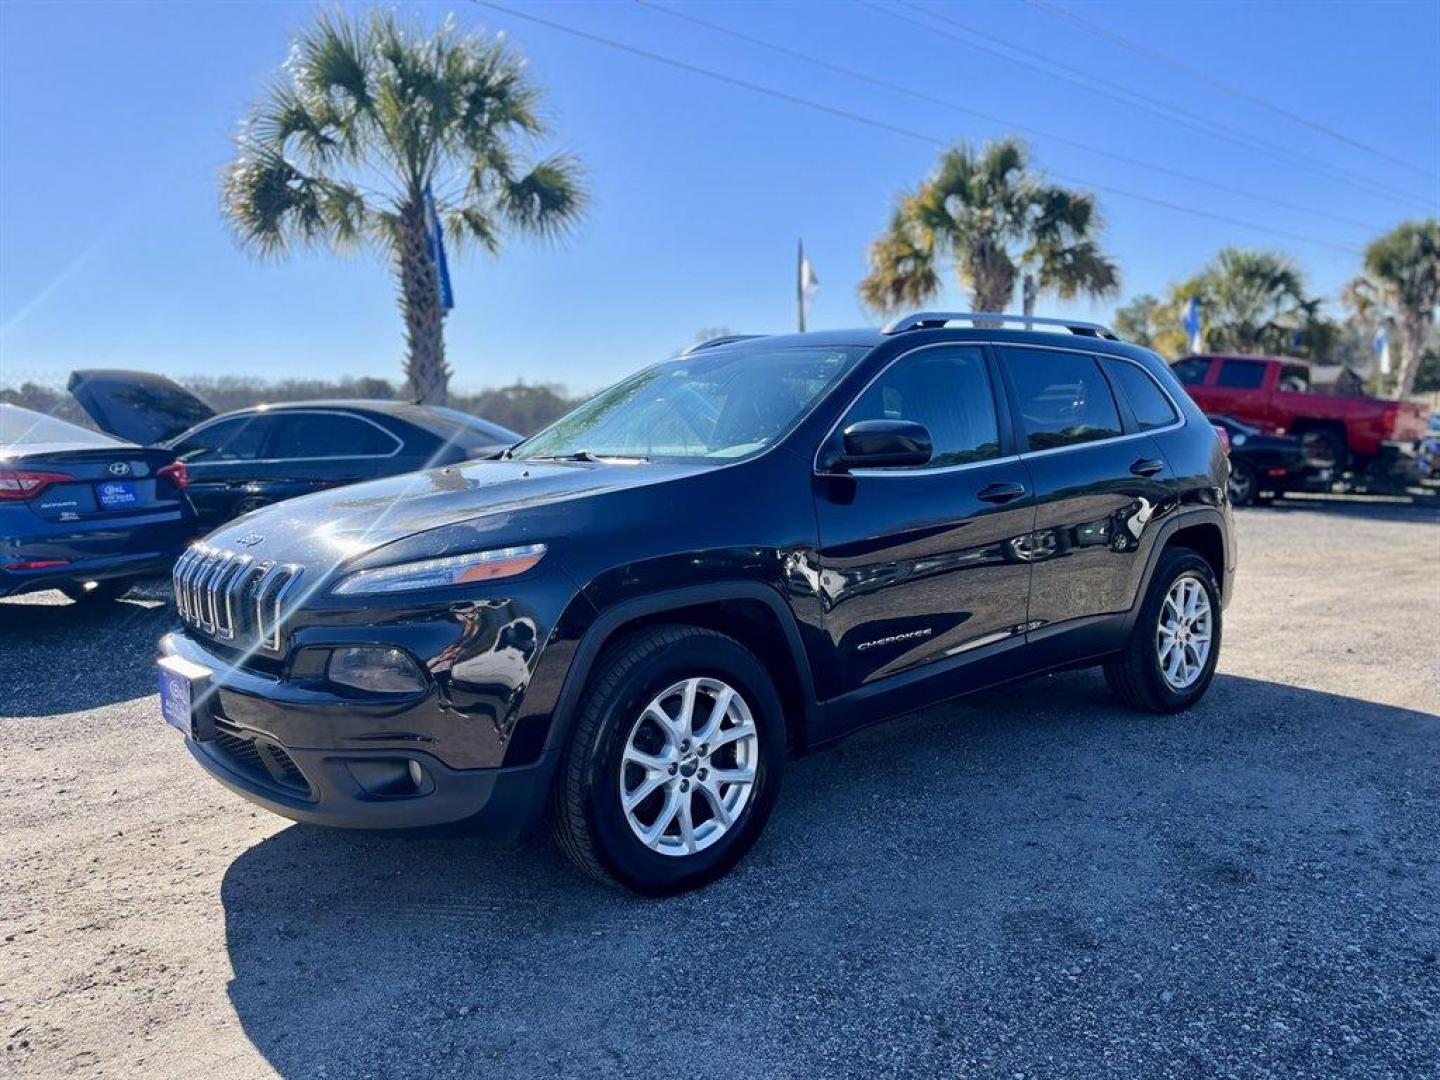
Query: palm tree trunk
{"x": 992, "y": 279}
{"x": 1412, "y": 343}
{"x": 426, "y": 373}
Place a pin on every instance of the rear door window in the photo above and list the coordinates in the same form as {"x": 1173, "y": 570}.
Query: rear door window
{"x": 1147, "y": 401}
{"x": 1241, "y": 374}
{"x": 1063, "y": 397}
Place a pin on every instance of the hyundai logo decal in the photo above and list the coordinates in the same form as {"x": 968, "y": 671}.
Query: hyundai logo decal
{"x": 120, "y": 468}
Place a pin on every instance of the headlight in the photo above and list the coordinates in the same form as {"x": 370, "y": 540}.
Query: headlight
{"x": 442, "y": 573}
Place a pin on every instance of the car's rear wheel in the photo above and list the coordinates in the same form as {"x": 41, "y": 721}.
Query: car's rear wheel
{"x": 1169, "y": 660}
{"x": 674, "y": 763}
{"x": 1242, "y": 486}
{"x": 98, "y": 592}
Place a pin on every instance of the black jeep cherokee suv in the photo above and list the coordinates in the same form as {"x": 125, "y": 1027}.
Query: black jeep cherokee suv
{"x": 631, "y": 620}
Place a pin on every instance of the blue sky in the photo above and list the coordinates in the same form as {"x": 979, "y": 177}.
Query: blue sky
{"x": 115, "y": 120}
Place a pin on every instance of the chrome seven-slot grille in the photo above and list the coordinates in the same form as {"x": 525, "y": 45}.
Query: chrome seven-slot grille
{"x": 233, "y": 597}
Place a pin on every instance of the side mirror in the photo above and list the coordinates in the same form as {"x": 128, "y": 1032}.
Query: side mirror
{"x": 881, "y": 444}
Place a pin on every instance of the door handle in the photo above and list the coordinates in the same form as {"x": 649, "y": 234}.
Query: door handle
{"x": 1147, "y": 467}
{"x": 1001, "y": 493}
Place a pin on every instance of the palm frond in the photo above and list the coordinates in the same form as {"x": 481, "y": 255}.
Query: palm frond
{"x": 548, "y": 200}
{"x": 903, "y": 269}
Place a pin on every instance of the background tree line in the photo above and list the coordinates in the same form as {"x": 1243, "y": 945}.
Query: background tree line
{"x": 523, "y": 407}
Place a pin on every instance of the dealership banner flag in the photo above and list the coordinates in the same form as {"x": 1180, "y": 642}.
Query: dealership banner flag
{"x": 1381, "y": 346}
{"x": 806, "y": 285}
{"x": 435, "y": 241}
{"x": 1190, "y": 322}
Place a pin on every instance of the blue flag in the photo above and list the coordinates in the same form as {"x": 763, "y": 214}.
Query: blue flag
{"x": 1190, "y": 323}
{"x": 435, "y": 242}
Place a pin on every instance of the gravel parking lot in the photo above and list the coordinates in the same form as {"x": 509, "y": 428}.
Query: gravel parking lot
{"x": 1030, "y": 883}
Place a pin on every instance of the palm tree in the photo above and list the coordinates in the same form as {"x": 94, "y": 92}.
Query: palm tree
{"x": 368, "y": 118}
{"x": 1135, "y": 321}
{"x": 1253, "y": 302}
{"x": 1401, "y": 287}
{"x": 994, "y": 219}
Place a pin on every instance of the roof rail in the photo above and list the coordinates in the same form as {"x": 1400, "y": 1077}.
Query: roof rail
{"x": 724, "y": 339}
{"x": 930, "y": 320}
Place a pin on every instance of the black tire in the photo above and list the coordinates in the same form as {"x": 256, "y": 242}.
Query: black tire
{"x": 102, "y": 592}
{"x": 1327, "y": 447}
{"x": 1134, "y": 674}
{"x": 1243, "y": 485}
{"x": 587, "y": 819}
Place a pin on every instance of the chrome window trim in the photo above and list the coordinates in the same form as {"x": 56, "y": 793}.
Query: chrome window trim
{"x": 399, "y": 442}
{"x": 943, "y": 470}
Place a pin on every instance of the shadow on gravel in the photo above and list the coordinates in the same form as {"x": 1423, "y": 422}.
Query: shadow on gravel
{"x": 60, "y": 657}
{"x": 1028, "y": 880}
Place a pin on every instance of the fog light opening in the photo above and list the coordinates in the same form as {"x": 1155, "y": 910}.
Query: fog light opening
{"x": 375, "y": 669}
{"x": 417, "y": 774}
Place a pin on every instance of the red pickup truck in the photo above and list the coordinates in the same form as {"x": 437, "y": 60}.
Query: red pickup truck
{"x": 1273, "y": 393}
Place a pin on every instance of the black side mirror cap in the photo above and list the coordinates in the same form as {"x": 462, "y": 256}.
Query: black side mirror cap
{"x": 881, "y": 444}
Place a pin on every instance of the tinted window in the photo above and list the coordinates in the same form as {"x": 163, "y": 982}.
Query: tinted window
{"x": 240, "y": 438}
{"x": 947, "y": 390}
{"x": 1191, "y": 372}
{"x": 1063, "y": 397}
{"x": 1148, "y": 402}
{"x": 327, "y": 435}
{"x": 1241, "y": 374}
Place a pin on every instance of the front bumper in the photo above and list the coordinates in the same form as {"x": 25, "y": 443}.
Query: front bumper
{"x": 326, "y": 787}
{"x": 321, "y": 759}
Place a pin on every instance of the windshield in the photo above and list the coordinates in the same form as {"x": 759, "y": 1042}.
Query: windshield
{"x": 717, "y": 405}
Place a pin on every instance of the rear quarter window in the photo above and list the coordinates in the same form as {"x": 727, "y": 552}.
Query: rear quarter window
{"x": 1149, "y": 404}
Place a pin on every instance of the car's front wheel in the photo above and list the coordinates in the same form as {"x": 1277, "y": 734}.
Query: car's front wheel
{"x": 674, "y": 763}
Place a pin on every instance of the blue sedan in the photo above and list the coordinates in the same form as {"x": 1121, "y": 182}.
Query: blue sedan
{"x": 84, "y": 513}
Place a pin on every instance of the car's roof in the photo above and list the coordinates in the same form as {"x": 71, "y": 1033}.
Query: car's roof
{"x": 440, "y": 421}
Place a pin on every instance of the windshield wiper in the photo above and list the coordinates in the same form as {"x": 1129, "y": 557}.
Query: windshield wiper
{"x": 586, "y": 455}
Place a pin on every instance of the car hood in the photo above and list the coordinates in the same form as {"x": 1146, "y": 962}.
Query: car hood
{"x": 137, "y": 406}
{"x": 460, "y": 508}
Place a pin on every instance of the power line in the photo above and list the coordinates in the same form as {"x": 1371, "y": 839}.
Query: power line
{"x": 1108, "y": 88}
{"x": 785, "y": 50}
{"x": 1205, "y": 77}
{"x": 882, "y": 125}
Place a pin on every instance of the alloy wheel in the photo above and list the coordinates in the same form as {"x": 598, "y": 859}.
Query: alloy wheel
{"x": 1183, "y": 634}
{"x": 689, "y": 766}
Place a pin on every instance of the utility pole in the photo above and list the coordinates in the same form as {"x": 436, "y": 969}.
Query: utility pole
{"x": 800, "y": 287}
